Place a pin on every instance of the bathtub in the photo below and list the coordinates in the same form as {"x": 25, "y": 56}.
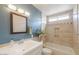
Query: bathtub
{"x": 59, "y": 49}
{"x": 25, "y": 47}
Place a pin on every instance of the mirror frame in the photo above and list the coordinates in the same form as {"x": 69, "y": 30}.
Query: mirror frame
{"x": 11, "y": 23}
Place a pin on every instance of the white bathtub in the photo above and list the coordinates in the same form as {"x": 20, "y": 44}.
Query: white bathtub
{"x": 27, "y": 47}
{"x": 60, "y": 49}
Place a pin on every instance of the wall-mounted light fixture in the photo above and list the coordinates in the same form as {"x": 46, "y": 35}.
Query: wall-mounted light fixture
{"x": 27, "y": 14}
{"x": 12, "y": 7}
{"x": 20, "y": 10}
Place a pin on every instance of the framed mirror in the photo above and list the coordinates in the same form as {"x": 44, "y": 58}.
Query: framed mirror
{"x": 18, "y": 23}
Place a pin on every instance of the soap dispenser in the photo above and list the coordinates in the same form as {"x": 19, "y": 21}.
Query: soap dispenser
{"x": 30, "y": 31}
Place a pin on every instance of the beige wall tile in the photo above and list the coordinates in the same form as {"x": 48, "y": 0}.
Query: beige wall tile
{"x": 61, "y": 33}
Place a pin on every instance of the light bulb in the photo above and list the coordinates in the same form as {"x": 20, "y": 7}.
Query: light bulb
{"x": 12, "y": 7}
{"x": 20, "y": 10}
{"x": 27, "y": 14}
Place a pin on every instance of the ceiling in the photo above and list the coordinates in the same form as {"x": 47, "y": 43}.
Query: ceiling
{"x": 49, "y": 9}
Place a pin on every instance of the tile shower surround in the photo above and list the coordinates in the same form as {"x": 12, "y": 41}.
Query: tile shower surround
{"x": 61, "y": 33}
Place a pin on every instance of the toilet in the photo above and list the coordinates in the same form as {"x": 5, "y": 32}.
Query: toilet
{"x": 47, "y": 51}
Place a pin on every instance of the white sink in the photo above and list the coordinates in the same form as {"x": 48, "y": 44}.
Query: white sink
{"x": 28, "y": 47}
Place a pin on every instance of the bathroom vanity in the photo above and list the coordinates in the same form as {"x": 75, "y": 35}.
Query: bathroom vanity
{"x": 23, "y": 47}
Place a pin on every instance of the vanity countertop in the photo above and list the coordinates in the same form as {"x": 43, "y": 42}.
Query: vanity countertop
{"x": 21, "y": 48}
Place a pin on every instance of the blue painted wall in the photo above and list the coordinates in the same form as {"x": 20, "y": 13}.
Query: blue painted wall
{"x": 34, "y": 21}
